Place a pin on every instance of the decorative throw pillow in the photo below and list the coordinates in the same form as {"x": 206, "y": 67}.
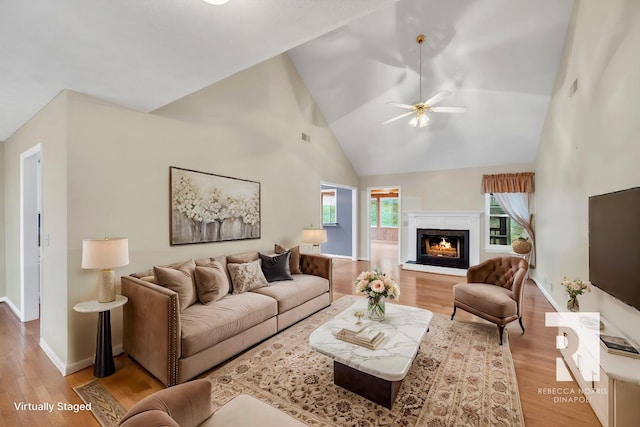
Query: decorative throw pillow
{"x": 276, "y": 267}
{"x": 180, "y": 280}
{"x": 294, "y": 260}
{"x": 211, "y": 282}
{"x": 246, "y": 276}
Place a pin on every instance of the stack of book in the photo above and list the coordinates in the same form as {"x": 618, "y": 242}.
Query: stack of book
{"x": 619, "y": 345}
{"x": 365, "y": 337}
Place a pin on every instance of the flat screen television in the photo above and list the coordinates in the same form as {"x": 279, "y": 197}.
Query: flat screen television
{"x": 614, "y": 244}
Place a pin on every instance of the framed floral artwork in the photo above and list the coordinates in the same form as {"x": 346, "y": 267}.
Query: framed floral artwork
{"x": 212, "y": 208}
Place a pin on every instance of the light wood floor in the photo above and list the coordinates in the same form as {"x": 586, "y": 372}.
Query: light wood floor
{"x": 27, "y": 375}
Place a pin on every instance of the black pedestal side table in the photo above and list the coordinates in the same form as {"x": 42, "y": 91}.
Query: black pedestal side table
{"x": 104, "y": 354}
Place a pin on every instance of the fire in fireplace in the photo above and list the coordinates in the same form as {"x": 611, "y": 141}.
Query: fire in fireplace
{"x": 444, "y": 248}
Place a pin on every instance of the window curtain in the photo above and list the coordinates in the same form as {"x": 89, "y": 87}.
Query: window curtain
{"x": 512, "y": 192}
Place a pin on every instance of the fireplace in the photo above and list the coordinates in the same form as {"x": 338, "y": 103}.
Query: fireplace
{"x": 444, "y": 248}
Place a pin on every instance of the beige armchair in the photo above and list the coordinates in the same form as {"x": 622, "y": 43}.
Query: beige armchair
{"x": 493, "y": 291}
{"x": 189, "y": 405}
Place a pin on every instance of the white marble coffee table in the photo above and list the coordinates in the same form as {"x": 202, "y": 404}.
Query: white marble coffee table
{"x": 374, "y": 374}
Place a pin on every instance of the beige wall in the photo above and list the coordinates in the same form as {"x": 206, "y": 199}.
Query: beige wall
{"x": 3, "y": 291}
{"x": 48, "y": 128}
{"x": 445, "y": 190}
{"x": 589, "y": 146}
{"x": 247, "y": 126}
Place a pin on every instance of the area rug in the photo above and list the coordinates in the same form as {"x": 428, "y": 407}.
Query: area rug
{"x": 104, "y": 406}
{"x": 461, "y": 377}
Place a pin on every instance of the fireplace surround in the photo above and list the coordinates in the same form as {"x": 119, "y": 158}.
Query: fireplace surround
{"x": 447, "y": 221}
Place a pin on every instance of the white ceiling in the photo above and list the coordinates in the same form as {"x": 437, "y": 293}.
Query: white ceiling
{"x": 499, "y": 57}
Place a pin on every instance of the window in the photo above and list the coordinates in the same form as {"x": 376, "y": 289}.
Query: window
{"x": 329, "y": 207}
{"x": 501, "y": 229}
{"x": 384, "y": 212}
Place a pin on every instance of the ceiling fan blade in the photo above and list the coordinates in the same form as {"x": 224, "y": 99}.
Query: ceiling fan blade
{"x": 437, "y": 98}
{"x": 397, "y": 104}
{"x": 397, "y": 117}
{"x": 448, "y": 109}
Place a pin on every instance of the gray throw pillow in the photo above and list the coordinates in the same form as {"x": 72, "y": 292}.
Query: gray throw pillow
{"x": 294, "y": 260}
{"x": 276, "y": 267}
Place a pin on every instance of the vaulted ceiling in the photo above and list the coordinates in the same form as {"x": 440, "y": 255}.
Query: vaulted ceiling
{"x": 498, "y": 57}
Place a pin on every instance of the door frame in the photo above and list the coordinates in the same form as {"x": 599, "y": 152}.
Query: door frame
{"x": 368, "y": 224}
{"x": 30, "y": 293}
{"x": 354, "y": 216}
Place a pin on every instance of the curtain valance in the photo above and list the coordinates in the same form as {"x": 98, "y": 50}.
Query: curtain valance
{"x": 508, "y": 183}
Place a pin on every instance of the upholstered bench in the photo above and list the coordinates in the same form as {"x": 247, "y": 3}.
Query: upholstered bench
{"x": 189, "y": 405}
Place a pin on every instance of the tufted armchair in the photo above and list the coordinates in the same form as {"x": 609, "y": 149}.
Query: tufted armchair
{"x": 493, "y": 291}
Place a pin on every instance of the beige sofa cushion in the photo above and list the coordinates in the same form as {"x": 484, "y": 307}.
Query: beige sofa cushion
{"x": 179, "y": 280}
{"x": 290, "y": 294}
{"x": 491, "y": 299}
{"x": 204, "y": 326}
{"x": 243, "y": 257}
{"x": 211, "y": 282}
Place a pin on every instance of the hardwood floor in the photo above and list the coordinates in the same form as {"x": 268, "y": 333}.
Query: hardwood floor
{"x": 27, "y": 375}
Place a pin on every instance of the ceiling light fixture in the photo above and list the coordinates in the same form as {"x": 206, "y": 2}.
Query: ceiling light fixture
{"x": 421, "y": 119}
{"x": 216, "y": 2}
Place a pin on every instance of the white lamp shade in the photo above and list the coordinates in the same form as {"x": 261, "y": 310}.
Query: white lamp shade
{"x": 105, "y": 253}
{"x": 216, "y": 2}
{"x": 314, "y": 236}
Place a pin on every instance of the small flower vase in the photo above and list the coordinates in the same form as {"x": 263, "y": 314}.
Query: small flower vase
{"x": 573, "y": 304}
{"x": 375, "y": 308}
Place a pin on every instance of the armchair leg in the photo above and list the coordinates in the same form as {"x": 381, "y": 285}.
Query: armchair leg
{"x": 454, "y": 311}
{"x": 521, "y": 325}
{"x": 500, "y": 332}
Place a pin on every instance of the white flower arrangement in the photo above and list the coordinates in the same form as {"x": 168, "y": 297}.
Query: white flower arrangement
{"x": 375, "y": 284}
{"x": 576, "y": 287}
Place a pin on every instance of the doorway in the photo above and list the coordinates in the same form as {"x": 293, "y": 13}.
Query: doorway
{"x": 30, "y": 233}
{"x": 339, "y": 219}
{"x": 384, "y": 230}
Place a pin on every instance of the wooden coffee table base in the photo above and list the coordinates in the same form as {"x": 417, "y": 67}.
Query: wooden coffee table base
{"x": 375, "y": 389}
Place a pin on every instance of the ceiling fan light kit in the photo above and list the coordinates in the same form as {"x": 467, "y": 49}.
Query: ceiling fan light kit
{"x": 420, "y": 110}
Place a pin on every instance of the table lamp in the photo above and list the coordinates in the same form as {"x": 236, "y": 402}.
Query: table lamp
{"x": 314, "y": 236}
{"x": 105, "y": 254}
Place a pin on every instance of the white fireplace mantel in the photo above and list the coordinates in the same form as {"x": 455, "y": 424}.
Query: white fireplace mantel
{"x": 443, "y": 220}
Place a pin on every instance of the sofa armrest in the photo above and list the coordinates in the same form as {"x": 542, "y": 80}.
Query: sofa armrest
{"x": 318, "y": 265}
{"x": 152, "y": 328}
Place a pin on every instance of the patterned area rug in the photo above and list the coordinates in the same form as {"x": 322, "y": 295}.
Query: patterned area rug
{"x": 461, "y": 377}
{"x": 104, "y": 406}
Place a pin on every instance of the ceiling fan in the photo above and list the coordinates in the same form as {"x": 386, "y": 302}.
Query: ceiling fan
{"x": 420, "y": 110}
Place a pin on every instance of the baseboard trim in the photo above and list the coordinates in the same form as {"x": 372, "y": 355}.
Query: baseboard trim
{"x": 85, "y": 363}
{"x": 53, "y": 356}
{"x": 340, "y": 256}
{"x": 547, "y": 295}
{"x": 13, "y": 308}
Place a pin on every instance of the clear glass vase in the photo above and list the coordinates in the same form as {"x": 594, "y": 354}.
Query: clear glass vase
{"x": 573, "y": 304}
{"x": 376, "y": 308}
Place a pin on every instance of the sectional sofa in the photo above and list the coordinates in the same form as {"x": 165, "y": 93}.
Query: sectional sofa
{"x": 188, "y": 317}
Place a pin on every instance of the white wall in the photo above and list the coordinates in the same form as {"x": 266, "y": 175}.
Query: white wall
{"x": 247, "y": 126}
{"x": 48, "y": 128}
{"x": 444, "y": 190}
{"x": 589, "y": 146}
